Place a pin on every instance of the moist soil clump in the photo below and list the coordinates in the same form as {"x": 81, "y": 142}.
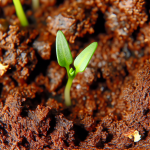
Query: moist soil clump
{"x": 110, "y": 99}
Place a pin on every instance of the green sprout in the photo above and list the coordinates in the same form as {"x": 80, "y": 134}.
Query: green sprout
{"x": 20, "y": 13}
{"x": 35, "y": 4}
{"x": 65, "y": 59}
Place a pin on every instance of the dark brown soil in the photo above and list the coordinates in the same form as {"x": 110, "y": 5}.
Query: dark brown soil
{"x": 110, "y": 99}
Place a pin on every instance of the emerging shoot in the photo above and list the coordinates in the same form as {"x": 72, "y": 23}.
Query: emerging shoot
{"x": 65, "y": 59}
{"x": 20, "y": 13}
{"x": 35, "y": 4}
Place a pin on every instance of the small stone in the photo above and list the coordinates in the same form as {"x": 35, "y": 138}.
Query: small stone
{"x": 78, "y": 86}
{"x": 3, "y": 69}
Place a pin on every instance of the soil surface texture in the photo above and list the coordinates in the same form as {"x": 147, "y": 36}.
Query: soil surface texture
{"x": 110, "y": 99}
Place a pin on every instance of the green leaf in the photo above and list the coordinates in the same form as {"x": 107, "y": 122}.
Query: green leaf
{"x": 84, "y": 57}
{"x": 63, "y": 52}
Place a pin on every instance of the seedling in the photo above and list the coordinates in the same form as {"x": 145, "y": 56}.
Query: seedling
{"x": 65, "y": 59}
{"x": 35, "y": 4}
{"x": 20, "y": 13}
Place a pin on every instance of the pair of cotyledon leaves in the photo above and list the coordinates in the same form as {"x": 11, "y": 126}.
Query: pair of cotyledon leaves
{"x": 64, "y": 56}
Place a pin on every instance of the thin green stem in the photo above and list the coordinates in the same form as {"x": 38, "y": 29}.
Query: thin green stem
{"x": 20, "y": 13}
{"x": 67, "y": 91}
{"x": 67, "y": 68}
{"x": 35, "y": 4}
